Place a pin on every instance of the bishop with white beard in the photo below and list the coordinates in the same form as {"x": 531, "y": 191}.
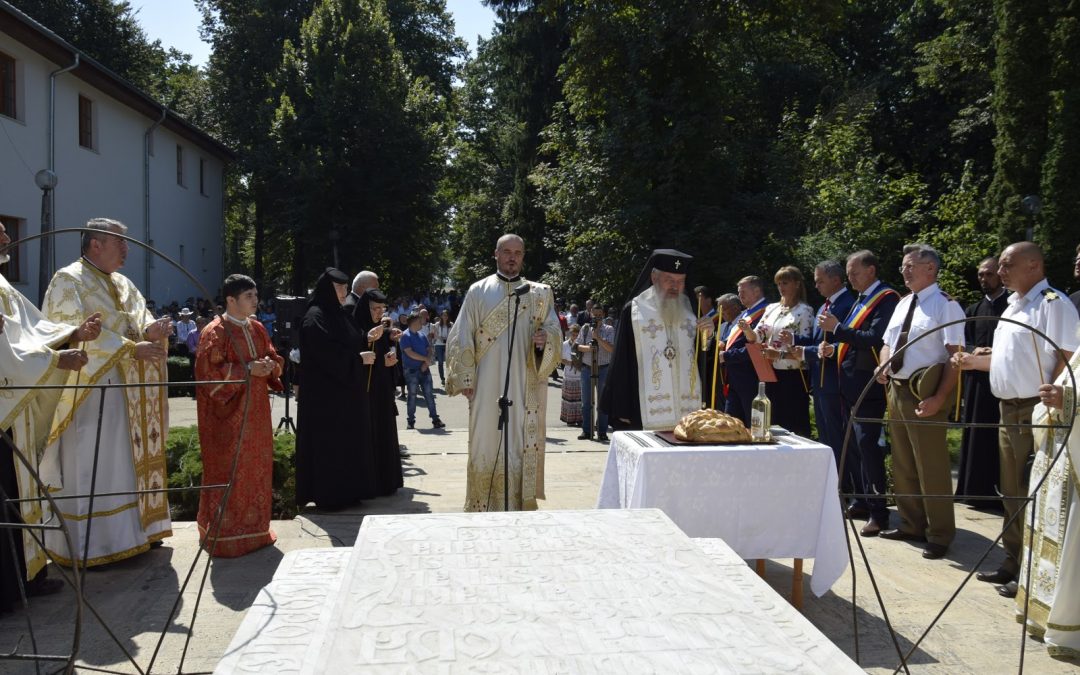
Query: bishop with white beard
{"x": 653, "y": 379}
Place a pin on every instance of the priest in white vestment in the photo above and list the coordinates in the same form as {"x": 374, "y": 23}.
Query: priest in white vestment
{"x": 131, "y": 350}
{"x": 1054, "y": 610}
{"x": 477, "y": 350}
{"x": 33, "y": 352}
{"x": 653, "y": 379}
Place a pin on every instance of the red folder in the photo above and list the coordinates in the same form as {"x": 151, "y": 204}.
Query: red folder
{"x": 762, "y": 367}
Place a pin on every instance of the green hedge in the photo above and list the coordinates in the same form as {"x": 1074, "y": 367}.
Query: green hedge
{"x": 185, "y": 471}
{"x": 180, "y": 370}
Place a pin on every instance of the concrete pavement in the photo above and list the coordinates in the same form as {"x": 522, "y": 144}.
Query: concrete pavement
{"x": 978, "y": 634}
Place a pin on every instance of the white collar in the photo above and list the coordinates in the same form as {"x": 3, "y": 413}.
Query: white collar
{"x": 238, "y": 322}
{"x": 833, "y": 298}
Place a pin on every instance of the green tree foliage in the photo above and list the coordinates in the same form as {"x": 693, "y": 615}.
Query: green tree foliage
{"x": 361, "y": 149}
{"x": 1020, "y": 103}
{"x": 248, "y": 37}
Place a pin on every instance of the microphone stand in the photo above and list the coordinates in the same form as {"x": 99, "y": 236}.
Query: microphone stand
{"x": 504, "y": 402}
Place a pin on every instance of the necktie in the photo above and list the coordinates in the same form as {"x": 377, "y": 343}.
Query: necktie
{"x": 898, "y": 362}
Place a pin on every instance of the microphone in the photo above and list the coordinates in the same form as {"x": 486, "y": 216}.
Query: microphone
{"x": 522, "y": 289}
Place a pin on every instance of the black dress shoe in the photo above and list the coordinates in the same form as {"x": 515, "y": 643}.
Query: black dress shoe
{"x": 996, "y": 577}
{"x": 602, "y": 438}
{"x": 857, "y": 513}
{"x": 1007, "y": 590}
{"x": 897, "y": 534}
{"x": 585, "y": 437}
{"x": 871, "y": 529}
{"x": 934, "y": 551}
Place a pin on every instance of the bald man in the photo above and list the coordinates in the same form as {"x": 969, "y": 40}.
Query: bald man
{"x": 1019, "y": 362}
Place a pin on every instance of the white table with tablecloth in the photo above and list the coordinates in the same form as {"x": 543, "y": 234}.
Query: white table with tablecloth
{"x": 765, "y": 501}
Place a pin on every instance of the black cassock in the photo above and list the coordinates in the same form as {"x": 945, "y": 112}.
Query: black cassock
{"x": 979, "y": 470}
{"x": 334, "y": 460}
{"x": 380, "y": 384}
{"x": 620, "y": 396}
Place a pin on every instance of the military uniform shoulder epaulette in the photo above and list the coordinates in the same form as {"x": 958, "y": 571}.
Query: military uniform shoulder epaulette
{"x": 946, "y": 296}
{"x": 1050, "y": 294}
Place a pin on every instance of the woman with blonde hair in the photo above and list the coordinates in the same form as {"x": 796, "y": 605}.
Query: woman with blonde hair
{"x": 778, "y": 329}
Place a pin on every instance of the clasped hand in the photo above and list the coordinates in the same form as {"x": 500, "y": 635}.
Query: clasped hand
{"x": 263, "y": 367}
{"x": 162, "y": 328}
{"x": 539, "y": 338}
{"x": 89, "y": 329}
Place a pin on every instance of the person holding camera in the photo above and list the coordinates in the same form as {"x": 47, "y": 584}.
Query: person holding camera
{"x": 595, "y": 343}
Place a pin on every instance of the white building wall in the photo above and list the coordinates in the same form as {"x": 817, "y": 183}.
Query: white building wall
{"x": 108, "y": 181}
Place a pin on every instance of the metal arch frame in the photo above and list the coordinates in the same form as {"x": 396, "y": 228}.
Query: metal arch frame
{"x": 1028, "y": 499}
{"x": 76, "y": 578}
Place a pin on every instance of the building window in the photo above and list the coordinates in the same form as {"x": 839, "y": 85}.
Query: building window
{"x": 179, "y": 165}
{"x": 7, "y": 86}
{"x": 202, "y": 176}
{"x": 86, "y": 122}
{"x": 12, "y": 268}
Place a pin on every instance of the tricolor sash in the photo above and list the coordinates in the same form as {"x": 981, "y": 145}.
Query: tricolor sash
{"x": 857, "y": 317}
{"x": 737, "y": 332}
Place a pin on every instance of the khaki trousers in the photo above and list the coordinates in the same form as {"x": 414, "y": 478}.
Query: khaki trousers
{"x": 1015, "y": 446}
{"x": 920, "y": 466}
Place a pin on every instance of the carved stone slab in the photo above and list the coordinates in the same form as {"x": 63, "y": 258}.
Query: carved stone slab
{"x": 540, "y": 592}
{"x": 290, "y": 614}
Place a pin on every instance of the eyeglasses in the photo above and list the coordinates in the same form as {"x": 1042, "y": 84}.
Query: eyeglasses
{"x": 908, "y": 266}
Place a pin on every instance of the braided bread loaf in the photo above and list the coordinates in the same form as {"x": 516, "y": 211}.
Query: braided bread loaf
{"x": 711, "y": 426}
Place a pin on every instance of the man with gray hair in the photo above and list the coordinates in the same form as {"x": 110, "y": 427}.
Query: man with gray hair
{"x": 131, "y": 350}
{"x": 919, "y": 379}
{"x": 742, "y": 379}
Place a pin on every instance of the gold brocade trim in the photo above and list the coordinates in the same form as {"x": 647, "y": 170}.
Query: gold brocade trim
{"x": 1062, "y": 627}
{"x": 100, "y": 514}
{"x": 113, "y": 557}
{"x": 1062, "y": 652}
{"x": 204, "y": 533}
{"x": 28, "y": 394}
{"x": 492, "y": 327}
{"x": 81, "y": 395}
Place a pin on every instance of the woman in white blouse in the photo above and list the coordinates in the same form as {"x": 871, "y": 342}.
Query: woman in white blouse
{"x": 439, "y": 332}
{"x": 777, "y": 330}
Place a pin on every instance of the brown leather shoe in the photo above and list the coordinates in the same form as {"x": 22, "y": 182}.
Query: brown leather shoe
{"x": 934, "y": 551}
{"x": 897, "y": 534}
{"x": 870, "y": 529}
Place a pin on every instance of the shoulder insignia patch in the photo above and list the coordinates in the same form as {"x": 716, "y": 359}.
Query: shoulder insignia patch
{"x": 1050, "y": 294}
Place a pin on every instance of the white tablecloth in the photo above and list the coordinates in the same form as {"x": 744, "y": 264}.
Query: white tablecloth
{"x": 764, "y": 501}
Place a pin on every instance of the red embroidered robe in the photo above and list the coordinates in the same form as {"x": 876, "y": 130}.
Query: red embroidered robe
{"x": 225, "y": 349}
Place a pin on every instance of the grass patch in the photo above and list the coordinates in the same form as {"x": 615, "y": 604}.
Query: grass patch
{"x": 185, "y": 471}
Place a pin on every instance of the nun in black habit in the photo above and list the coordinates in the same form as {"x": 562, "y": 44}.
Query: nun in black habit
{"x": 334, "y": 460}
{"x": 620, "y": 397}
{"x": 380, "y": 384}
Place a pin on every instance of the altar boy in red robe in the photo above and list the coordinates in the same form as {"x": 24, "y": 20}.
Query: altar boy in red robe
{"x": 236, "y": 347}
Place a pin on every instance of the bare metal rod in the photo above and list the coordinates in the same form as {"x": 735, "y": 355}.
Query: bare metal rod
{"x": 120, "y": 385}
{"x": 848, "y": 433}
{"x": 883, "y": 495}
{"x": 219, "y": 486}
{"x": 957, "y": 425}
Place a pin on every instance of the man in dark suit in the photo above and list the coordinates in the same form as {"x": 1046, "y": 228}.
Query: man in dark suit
{"x": 824, "y": 375}
{"x": 856, "y": 341}
{"x": 585, "y": 317}
{"x": 742, "y": 379}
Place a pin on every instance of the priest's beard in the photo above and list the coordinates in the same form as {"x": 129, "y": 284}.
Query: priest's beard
{"x": 670, "y": 309}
